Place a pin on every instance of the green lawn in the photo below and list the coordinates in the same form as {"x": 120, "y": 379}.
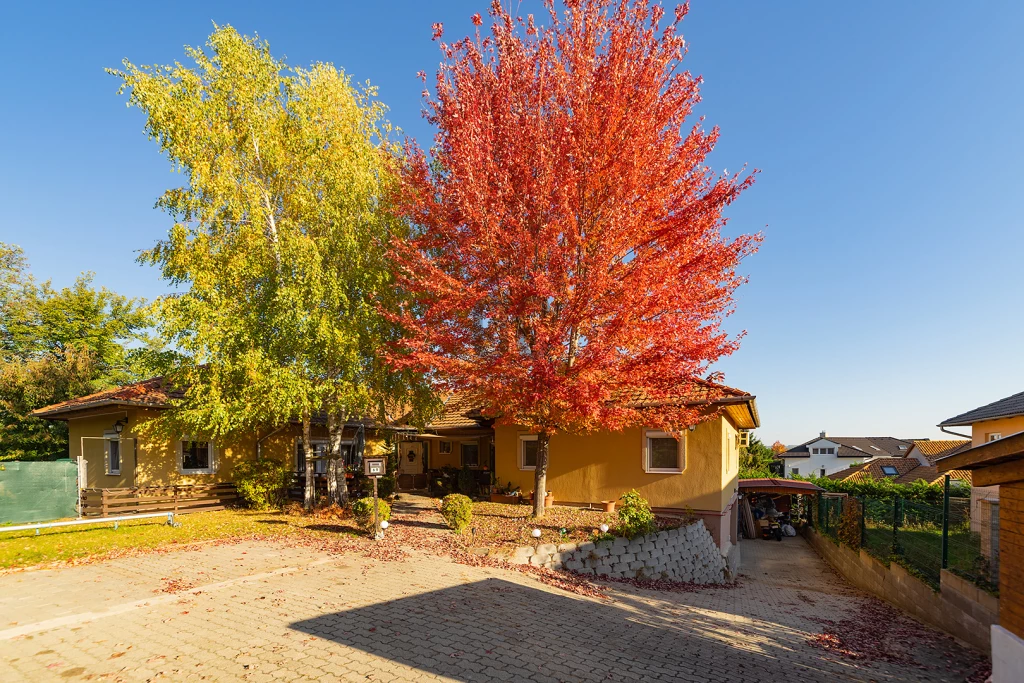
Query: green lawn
{"x": 922, "y": 547}
{"x": 25, "y": 549}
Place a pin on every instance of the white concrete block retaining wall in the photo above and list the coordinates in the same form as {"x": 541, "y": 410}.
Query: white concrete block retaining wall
{"x": 686, "y": 554}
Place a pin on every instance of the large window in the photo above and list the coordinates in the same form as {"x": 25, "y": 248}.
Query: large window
{"x": 321, "y": 452}
{"x": 470, "y": 454}
{"x": 112, "y": 448}
{"x": 196, "y": 457}
{"x": 528, "y": 451}
{"x": 663, "y": 452}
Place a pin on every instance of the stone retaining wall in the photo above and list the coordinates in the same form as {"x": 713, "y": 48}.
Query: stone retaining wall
{"x": 685, "y": 554}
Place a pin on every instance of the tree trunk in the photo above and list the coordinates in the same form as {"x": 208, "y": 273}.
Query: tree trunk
{"x": 335, "y": 427}
{"x": 540, "y": 475}
{"x": 307, "y": 448}
{"x": 332, "y": 481}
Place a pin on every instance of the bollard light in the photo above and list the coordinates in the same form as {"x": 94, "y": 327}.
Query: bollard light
{"x": 384, "y": 524}
{"x": 535, "y": 533}
{"x": 604, "y": 528}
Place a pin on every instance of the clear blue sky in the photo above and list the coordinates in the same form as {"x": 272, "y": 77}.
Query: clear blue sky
{"x": 886, "y": 296}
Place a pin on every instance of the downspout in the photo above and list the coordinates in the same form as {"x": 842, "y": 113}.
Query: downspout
{"x": 962, "y": 436}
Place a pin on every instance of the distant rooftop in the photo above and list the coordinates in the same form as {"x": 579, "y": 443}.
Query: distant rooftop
{"x": 856, "y": 447}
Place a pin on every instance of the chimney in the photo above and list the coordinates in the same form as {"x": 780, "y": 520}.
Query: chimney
{"x": 824, "y": 435}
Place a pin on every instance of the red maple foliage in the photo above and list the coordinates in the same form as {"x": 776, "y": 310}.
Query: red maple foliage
{"x": 568, "y": 258}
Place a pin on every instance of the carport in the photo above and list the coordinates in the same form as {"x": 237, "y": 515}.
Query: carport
{"x": 780, "y": 491}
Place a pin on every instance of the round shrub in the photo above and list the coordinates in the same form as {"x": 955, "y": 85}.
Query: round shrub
{"x": 262, "y": 484}
{"x": 362, "y": 510}
{"x": 457, "y": 511}
{"x": 635, "y": 516}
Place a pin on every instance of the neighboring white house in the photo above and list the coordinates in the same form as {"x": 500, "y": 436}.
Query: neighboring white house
{"x": 829, "y": 454}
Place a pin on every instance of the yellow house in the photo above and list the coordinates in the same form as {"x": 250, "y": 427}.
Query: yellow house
{"x": 119, "y": 436}
{"x": 988, "y": 423}
{"x": 697, "y": 472}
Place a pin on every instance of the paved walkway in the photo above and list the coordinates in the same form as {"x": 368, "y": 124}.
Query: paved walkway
{"x": 262, "y": 612}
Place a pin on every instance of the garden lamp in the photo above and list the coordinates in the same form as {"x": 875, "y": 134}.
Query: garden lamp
{"x": 604, "y": 528}
{"x": 535, "y": 533}
{"x": 384, "y": 524}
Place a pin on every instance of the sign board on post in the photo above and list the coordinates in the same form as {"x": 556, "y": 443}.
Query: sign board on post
{"x": 374, "y": 467}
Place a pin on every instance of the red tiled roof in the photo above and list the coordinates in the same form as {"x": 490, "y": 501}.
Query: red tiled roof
{"x": 908, "y": 470}
{"x": 931, "y": 475}
{"x": 149, "y": 393}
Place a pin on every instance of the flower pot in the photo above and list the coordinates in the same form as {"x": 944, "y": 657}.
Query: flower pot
{"x": 501, "y": 498}
{"x": 609, "y": 505}
{"x": 549, "y": 500}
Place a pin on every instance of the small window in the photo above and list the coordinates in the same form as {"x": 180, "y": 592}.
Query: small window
{"x": 470, "y": 454}
{"x": 196, "y": 457}
{"x": 112, "y": 448}
{"x": 889, "y": 471}
{"x": 444, "y": 447}
{"x": 993, "y": 436}
{"x": 877, "y": 448}
{"x": 822, "y": 472}
{"x": 903, "y": 448}
{"x": 832, "y": 451}
{"x": 528, "y": 452}
{"x": 816, "y": 451}
{"x": 795, "y": 470}
{"x": 664, "y": 453}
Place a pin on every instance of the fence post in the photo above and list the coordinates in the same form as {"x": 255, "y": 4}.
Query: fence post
{"x": 863, "y": 514}
{"x": 945, "y": 522}
{"x": 895, "y": 525}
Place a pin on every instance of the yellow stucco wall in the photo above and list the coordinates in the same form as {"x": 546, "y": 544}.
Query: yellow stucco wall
{"x": 602, "y": 466}
{"x": 1005, "y": 426}
{"x": 151, "y": 459}
{"x": 437, "y": 459}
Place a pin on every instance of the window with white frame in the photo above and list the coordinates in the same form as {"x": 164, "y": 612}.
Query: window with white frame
{"x": 815, "y": 451}
{"x": 527, "y": 451}
{"x": 112, "y": 452}
{"x": 470, "y": 453}
{"x": 993, "y": 436}
{"x": 321, "y": 453}
{"x": 794, "y": 470}
{"x": 663, "y": 452}
{"x": 196, "y": 457}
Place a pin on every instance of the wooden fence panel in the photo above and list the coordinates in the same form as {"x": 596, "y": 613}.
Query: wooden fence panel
{"x": 112, "y": 502}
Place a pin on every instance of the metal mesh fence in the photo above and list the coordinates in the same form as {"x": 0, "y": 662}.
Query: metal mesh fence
{"x": 911, "y": 533}
{"x": 38, "y": 491}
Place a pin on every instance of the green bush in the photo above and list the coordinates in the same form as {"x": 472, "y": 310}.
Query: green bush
{"x": 262, "y": 484}
{"x": 457, "y": 511}
{"x": 635, "y": 516}
{"x": 885, "y": 488}
{"x": 362, "y": 510}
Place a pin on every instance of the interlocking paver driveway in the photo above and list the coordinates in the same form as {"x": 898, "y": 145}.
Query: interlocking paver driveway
{"x": 261, "y": 611}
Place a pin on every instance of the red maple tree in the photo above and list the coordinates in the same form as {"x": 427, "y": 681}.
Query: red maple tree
{"x": 568, "y": 268}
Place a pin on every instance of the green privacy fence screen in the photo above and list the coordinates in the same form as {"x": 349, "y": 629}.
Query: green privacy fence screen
{"x": 922, "y": 537}
{"x": 38, "y": 491}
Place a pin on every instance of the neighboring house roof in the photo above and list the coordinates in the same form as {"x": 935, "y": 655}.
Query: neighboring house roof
{"x": 933, "y": 450}
{"x": 740, "y": 405}
{"x": 1010, "y": 406}
{"x": 907, "y": 471}
{"x": 149, "y": 393}
{"x": 856, "y": 447}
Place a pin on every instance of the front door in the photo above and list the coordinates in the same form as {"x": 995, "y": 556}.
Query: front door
{"x": 412, "y": 457}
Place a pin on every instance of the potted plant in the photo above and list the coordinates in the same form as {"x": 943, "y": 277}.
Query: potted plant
{"x": 508, "y": 494}
{"x": 608, "y": 505}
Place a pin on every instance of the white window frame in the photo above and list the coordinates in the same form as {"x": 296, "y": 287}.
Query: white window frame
{"x": 794, "y": 470}
{"x": 681, "y": 452}
{"x": 993, "y": 436}
{"x": 895, "y": 471}
{"x": 523, "y": 438}
{"x": 212, "y": 455}
{"x": 107, "y": 438}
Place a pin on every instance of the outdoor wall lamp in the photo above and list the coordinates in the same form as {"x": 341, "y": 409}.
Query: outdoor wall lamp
{"x": 119, "y": 426}
{"x": 692, "y": 427}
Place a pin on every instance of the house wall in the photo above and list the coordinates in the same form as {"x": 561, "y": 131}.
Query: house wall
{"x": 1005, "y": 426}
{"x": 437, "y": 459}
{"x": 150, "y": 457}
{"x": 602, "y": 466}
{"x": 812, "y": 464}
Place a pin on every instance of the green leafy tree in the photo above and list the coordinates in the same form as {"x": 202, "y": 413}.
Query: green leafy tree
{"x": 755, "y": 459}
{"x": 278, "y": 245}
{"x": 57, "y": 344}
